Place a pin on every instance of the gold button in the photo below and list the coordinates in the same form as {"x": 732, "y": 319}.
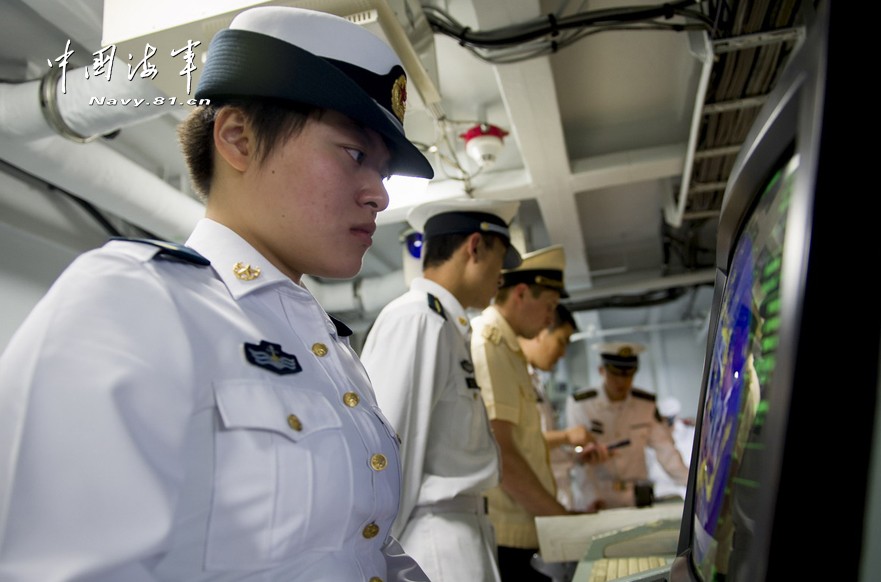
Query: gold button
{"x": 351, "y": 399}
{"x": 378, "y": 462}
{"x": 245, "y": 272}
{"x": 375, "y": 579}
{"x": 462, "y": 321}
{"x": 319, "y": 350}
{"x": 295, "y": 423}
{"x": 370, "y": 530}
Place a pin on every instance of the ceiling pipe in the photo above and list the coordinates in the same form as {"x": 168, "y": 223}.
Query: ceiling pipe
{"x": 51, "y": 129}
{"x": 599, "y": 334}
{"x": 702, "y": 49}
{"x": 81, "y": 106}
{"x": 107, "y": 180}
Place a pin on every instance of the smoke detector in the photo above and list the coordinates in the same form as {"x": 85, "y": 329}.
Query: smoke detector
{"x": 483, "y": 142}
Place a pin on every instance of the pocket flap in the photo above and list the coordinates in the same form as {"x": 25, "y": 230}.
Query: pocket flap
{"x": 287, "y": 410}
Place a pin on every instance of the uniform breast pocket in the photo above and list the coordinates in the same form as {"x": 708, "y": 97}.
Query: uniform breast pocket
{"x": 464, "y": 414}
{"x": 631, "y": 459}
{"x": 273, "y": 446}
{"x": 639, "y": 435}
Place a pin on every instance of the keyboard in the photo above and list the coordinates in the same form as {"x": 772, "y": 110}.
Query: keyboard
{"x": 605, "y": 569}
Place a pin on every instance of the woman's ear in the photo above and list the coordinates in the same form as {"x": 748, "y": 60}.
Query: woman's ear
{"x": 233, "y": 139}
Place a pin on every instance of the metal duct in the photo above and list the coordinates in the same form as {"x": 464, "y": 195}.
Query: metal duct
{"x": 53, "y": 135}
{"x": 82, "y": 164}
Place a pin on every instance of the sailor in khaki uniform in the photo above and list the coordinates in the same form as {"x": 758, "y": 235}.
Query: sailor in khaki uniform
{"x": 524, "y": 306}
{"x": 418, "y": 358}
{"x": 190, "y": 413}
{"x": 619, "y": 413}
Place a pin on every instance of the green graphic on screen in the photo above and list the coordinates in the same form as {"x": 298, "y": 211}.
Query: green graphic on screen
{"x": 741, "y": 369}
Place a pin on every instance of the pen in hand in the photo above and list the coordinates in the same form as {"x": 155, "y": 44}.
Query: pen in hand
{"x": 618, "y": 444}
{"x": 610, "y": 446}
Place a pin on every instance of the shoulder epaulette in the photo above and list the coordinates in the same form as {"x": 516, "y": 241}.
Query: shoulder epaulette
{"x": 170, "y": 250}
{"x": 492, "y": 334}
{"x": 435, "y": 305}
{"x": 342, "y": 329}
{"x": 584, "y": 395}
{"x": 637, "y": 393}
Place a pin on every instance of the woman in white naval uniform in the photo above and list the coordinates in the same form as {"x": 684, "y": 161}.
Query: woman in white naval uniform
{"x": 418, "y": 357}
{"x": 192, "y": 413}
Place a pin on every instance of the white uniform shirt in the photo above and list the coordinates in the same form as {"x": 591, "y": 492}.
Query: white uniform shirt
{"x": 418, "y": 359}
{"x": 664, "y": 485}
{"x": 161, "y": 420}
{"x": 633, "y": 418}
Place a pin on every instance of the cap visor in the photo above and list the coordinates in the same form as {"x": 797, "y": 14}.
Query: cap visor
{"x": 512, "y": 258}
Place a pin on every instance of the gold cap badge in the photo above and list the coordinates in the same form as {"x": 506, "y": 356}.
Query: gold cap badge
{"x": 399, "y": 97}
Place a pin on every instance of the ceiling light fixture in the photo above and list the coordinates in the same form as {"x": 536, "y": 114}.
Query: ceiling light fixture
{"x": 483, "y": 142}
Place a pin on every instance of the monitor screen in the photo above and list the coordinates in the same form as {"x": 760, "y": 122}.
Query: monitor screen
{"x": 740, "y": 373}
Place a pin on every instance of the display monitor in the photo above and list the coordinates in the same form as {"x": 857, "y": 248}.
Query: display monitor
{"x": 735, "y": 458}
{"x": 764, "y": 501}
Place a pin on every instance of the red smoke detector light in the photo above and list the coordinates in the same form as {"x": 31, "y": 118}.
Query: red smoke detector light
{"x": 483, "y": 142}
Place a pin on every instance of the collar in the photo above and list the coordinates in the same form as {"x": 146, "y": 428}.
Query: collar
{"x": 241, "y": 268}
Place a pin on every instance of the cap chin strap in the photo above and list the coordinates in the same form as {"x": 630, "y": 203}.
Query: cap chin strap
{"x": 498, "y": 229}
{"x": 552, "y": 283}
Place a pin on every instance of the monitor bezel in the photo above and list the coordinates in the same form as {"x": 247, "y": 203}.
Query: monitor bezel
{"x": 790, "y": 119}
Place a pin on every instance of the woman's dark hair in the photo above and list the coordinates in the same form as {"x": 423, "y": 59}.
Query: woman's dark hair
{"x": 273, "y": 122}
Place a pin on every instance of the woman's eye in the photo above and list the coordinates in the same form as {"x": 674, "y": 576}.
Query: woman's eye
{"x": 357, "y": 155}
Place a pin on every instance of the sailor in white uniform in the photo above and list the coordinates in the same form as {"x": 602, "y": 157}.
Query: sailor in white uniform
{"x": 543, "y": 352}
{"x": 618, "y": 413}
{"x": 191, "y": 413}
{"x": 682, "y": 429}
{"x": 418, "y": 357}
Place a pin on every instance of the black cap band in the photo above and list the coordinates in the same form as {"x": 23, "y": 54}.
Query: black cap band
{"x": 466, "y": 223}
{"x": 623, "y": 365}
{"x": 550, "y": 278}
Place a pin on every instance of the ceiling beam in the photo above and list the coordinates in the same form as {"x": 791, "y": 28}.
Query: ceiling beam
{"x": 529, "y": 94}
